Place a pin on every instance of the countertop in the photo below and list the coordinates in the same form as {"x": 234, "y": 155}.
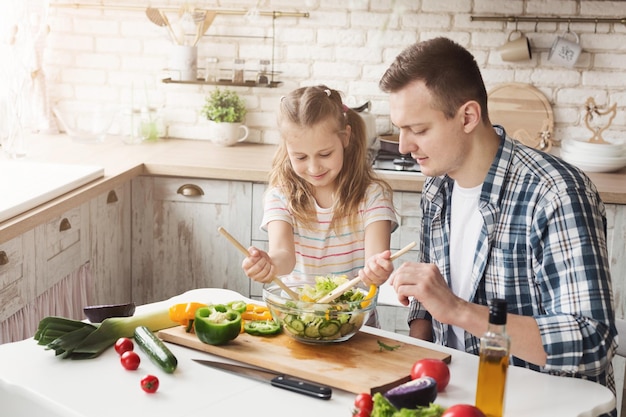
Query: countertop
{"x": 187, "y": 158}
{"x": 100, "y": 387}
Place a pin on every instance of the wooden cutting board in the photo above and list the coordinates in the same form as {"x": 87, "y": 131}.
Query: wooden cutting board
{"x": 524, "y": 112}
{"x": 356, "y": 365}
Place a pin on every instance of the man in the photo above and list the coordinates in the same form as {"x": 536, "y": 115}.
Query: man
{"x": 499, "y": 220}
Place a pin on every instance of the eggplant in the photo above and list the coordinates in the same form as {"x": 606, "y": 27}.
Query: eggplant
{"x": 416, "y": 393}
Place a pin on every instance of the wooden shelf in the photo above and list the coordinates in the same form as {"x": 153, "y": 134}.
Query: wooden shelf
{"x": 248, "y": 83}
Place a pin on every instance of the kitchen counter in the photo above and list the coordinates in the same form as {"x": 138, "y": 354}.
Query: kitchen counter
{"x": 100, "y": 387}
{"x": 188, "y": 158}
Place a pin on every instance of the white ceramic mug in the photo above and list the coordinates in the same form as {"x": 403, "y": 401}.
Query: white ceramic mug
{"x": 228, "y": 134}
{"x": 517, "y": 49}
{"x": 183, "y": 63}
{"x": 564, "y": 51}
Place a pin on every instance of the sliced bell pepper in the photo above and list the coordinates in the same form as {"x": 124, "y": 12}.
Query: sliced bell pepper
{"x": 370, "y": 295}
{"x": 239, "y": 306}
{"x": 262, "y": 327}
{"x": 256, "y": 312}
{"x": 217, "y": 324}
{"x": 184, "y": 314}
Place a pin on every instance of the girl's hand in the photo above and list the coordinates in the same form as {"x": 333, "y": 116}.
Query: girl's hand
{"x": 258, "y": 266}
{"x": 377, "y": 269}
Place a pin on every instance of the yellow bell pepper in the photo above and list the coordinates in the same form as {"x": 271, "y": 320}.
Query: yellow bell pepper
{"x": 184, "y": 313}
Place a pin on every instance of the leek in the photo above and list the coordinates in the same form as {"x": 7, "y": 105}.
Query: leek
{"x": 79, "y": 340}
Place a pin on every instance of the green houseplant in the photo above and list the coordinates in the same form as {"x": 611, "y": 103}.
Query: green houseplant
{"x": 224, "y": 106}
{"x": 225, "y": 111}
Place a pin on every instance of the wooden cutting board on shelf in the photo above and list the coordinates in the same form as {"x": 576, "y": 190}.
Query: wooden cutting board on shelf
{"x": 356, "y": 365}
{"x": 524, "y": 112}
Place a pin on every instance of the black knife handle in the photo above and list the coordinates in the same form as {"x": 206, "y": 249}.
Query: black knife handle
{"x": 303, "y": 387}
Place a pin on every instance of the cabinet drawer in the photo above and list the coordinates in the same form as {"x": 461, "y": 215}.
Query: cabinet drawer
{"x": 191, "y": 190}
{"x": 64, "y": 241}
{"x": 16, "y": 274}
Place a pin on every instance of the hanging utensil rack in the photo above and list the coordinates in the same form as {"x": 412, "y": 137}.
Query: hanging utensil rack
{"x": 549, "y": 19}
{"x": 142, "y": 8}
{"x": 274, "y": 14}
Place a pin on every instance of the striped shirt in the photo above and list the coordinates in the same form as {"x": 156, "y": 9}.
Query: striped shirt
{"x": 319, "y": 250}
{"x": 542, "y": 248}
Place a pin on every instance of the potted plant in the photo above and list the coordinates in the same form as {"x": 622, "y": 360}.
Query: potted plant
{"x": 225, "y": 110}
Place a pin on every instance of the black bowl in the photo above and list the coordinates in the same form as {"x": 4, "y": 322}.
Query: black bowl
{"x": 97, "y": 314}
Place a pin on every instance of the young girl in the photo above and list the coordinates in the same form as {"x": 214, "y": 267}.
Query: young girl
{"x": 325, "y": 211}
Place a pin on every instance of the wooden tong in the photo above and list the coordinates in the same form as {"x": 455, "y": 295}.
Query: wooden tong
{"x": 243, "y": 250}
{"x": 345, "y": 287}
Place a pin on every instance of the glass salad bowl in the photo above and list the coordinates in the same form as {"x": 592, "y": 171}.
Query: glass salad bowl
{"x": 308, "y": 321}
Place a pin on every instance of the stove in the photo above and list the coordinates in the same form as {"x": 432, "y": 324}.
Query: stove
{"x": 389, "y": 161}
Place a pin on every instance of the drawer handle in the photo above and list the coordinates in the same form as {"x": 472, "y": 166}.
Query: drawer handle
{"x": 111, "y": 197}
{"x": 4, "y": 259}
{"x": 190, "y": 190}
{"x": 65, "y": 225}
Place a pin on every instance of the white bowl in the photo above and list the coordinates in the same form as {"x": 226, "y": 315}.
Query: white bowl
{"x": 86, "y": 123}
{"x": 584, "y": 148}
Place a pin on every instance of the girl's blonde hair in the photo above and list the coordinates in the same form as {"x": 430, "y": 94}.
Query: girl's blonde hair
{"x": 306, "y": 107}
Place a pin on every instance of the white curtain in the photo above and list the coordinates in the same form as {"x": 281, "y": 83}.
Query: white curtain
{"x": 66, "y": 299}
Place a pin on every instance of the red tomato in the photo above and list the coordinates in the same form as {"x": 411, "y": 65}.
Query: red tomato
{"x": 434, "y": 368}
{"x": 462, "y": 410}
{"x": 361, "y": 413}
{"x": 150, "y": 384}
{"x": 364, "y": 403}
{"x": 130, "y": 360}
{"x": 123, "y": 344}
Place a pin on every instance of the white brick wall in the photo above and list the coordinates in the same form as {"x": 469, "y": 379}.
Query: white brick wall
{"x": 96, "y": 55}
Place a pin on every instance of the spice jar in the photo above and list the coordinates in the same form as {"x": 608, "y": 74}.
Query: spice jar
{"x": 238, "y": 70}
{"x": 210, "y": 70}
{"x": 262, "y": 77}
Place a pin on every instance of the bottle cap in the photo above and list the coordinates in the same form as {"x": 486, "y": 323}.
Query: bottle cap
{"x": 497, "y": 311}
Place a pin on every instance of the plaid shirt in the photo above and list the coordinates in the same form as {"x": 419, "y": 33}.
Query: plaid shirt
{"x": 542, "y": 248}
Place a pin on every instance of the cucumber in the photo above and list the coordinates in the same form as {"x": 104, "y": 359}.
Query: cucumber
{"x": 329, "y": 328}
{"x": 155, "y": 349}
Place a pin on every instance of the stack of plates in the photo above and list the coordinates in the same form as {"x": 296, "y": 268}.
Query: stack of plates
{"x": 594, "y": 157}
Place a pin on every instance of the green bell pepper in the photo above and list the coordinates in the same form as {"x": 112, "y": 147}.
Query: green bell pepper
{"x": 217, "y": 324}
{"x": 239, "y": 306}
{"x": 261, "y": 327}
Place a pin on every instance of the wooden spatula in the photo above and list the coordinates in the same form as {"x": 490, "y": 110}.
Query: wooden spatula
{"x": 243, "y": 250}
{"x": 209, "y": 16}
{"x": 345, "y": 287}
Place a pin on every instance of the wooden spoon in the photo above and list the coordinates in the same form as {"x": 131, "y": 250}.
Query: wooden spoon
{"x": 243, "y": 250}
{"x": 157, "y": 17}
{"x": 346, "y": 286}
{"x": 209, "y": 16}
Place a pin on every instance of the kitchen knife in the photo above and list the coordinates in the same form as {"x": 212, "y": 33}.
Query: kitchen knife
{"x": 275, "y": 378}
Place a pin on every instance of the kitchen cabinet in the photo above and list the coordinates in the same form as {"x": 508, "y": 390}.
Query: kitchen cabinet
{"x": 110, "y": 228}
{"x": 62, "y": 246}
{"x": 17, "y": 277}
{"x": 175, "y": 241}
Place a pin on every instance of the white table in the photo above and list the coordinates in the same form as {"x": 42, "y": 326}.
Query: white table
{"x": 101, "y": 387}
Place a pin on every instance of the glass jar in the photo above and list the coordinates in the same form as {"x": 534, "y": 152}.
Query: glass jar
{"x": 131, "y": 131}
{"x": 151, "y": 124}
{"x": 264, "y": 70}
{"x": 210, "y": 70}
{"x": 238, "y": 71}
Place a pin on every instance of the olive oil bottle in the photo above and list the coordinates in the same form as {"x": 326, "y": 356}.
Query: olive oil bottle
{"x": 495, "y": 347}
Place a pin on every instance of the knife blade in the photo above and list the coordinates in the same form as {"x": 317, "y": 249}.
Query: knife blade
{"x": 276, "y": 379}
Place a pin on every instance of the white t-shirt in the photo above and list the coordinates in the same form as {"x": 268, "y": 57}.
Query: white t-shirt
{"x": 465, "y": 225}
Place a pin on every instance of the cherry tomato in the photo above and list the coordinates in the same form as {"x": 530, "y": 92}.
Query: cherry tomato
{"x": 364, "y": 403}
{"x": 150, "y": 384}
{"x": 130, "y": 360}
{"x": 123, "y": 344}
{"x": 463, "y": 410}
{"x": 434, "y": 368}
